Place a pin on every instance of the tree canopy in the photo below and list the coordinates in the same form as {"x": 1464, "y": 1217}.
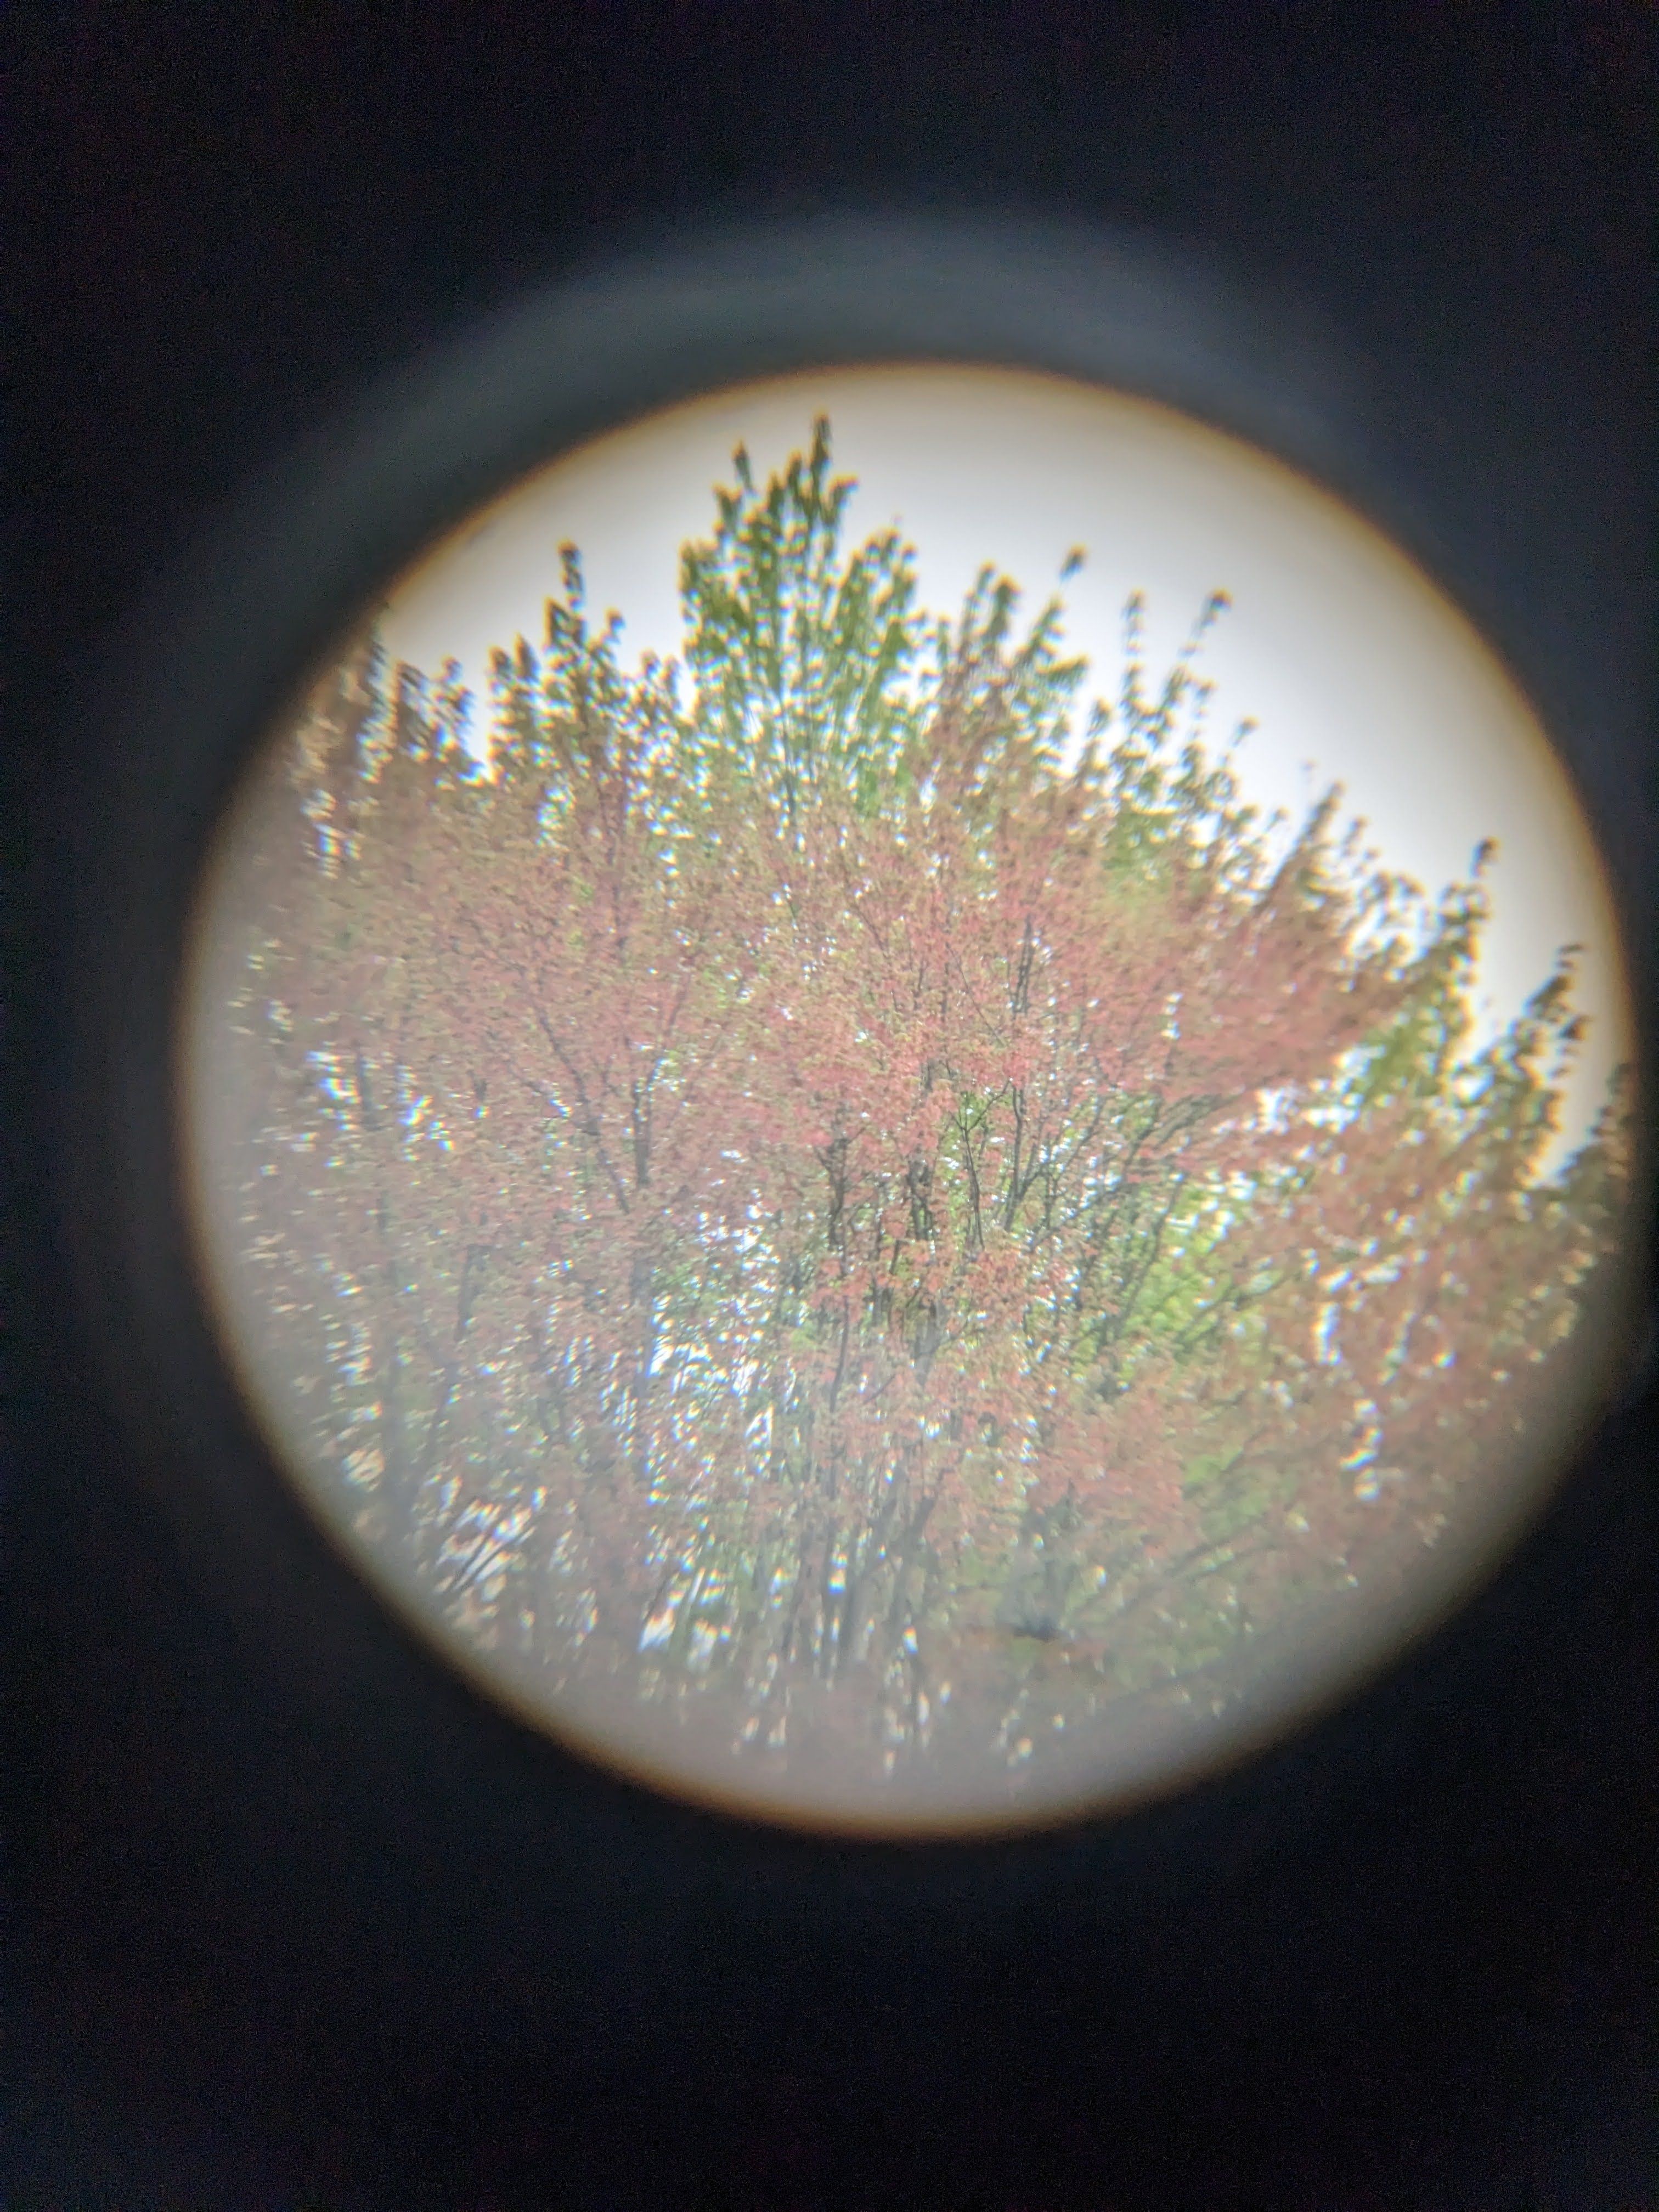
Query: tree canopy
{"x": 824, "y": 1186}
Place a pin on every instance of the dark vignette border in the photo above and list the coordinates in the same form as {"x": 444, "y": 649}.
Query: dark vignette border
{"x": 257, "y": 601}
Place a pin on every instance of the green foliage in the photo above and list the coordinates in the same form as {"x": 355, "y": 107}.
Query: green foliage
{"x": 799, "y": 656}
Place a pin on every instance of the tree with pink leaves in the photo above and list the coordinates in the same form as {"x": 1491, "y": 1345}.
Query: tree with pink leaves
{"x": 821, "y": 1186}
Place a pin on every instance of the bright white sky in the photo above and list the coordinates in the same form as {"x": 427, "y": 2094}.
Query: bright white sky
{"x": 1354, "y": 669}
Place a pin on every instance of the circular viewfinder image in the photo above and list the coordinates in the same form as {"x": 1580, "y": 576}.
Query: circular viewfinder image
{"x": 908, "y": 1096}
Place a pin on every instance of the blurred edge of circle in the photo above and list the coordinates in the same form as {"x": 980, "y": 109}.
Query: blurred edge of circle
{"x": 429, "y": 449}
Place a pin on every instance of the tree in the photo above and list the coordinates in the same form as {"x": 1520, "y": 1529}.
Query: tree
{"x": 795, "y": 1194}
